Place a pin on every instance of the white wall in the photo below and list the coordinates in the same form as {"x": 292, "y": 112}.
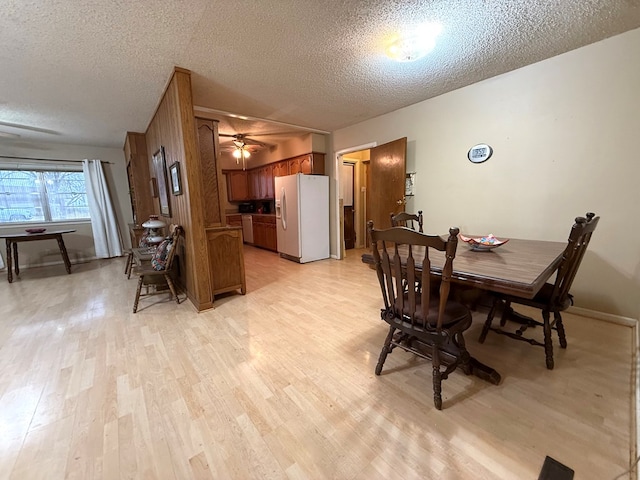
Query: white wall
{"x": 79, "y": 244}
{"x": 563, "y": 133}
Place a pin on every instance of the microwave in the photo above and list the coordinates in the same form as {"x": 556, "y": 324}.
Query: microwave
{"x": 246, "y": 208}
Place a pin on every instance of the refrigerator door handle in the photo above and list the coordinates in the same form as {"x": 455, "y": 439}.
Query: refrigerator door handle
{"x": 283, "y": 206}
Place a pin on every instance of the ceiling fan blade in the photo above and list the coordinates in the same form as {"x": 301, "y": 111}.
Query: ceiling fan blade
{"x": 251, "y": 141}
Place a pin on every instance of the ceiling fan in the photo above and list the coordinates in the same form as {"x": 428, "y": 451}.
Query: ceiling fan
{"x": 240, "y": 147}
{"x": 243, "y": 138}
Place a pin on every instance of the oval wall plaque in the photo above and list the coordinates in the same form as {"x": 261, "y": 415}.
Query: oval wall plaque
{"x": 479, "y": 153}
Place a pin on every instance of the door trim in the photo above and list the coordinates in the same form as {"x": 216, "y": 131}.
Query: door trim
{"x": 336, "y": 168}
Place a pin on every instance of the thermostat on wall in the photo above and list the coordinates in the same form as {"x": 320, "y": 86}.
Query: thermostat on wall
{"x": 479, "y": 153}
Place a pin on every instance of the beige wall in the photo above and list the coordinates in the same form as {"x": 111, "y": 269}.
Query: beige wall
{"x": 564, "y": 135}
{"x": 79, "y": 244}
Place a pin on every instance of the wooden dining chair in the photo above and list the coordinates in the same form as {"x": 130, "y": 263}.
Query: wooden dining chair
{"x": 130, "y": 262}
{"x": 421, "y": 321}
{"x": 552, "y": 297}
{"x": 156, "y": 274}
{"x": 409, "y": 220}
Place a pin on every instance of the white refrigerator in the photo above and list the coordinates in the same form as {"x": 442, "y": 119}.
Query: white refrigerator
{"x": 302, "y": 217}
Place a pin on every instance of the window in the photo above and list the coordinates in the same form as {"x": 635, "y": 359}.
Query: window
{"x": 42, "y": 196}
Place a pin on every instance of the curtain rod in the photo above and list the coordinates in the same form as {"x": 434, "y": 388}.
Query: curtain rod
{"x": 50, "y": 159}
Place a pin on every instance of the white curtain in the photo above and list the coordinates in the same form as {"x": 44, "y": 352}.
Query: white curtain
{"x": 106, "y": 236}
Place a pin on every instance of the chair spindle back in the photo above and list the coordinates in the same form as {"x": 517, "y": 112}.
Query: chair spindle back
{"x": 407, "y": 296}
{"x": 579, "y": 239}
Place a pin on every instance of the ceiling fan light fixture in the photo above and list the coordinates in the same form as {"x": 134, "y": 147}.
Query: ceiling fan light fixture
{"x": 415, "y": 44}
{"x": 240, "y": 152}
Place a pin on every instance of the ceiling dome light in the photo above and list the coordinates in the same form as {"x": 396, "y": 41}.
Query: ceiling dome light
{"x": 414, "y": 45}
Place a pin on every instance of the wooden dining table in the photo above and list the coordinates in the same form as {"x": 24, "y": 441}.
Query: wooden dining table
{"x": 518, "y": 267}
{"x": 12, "y": 240}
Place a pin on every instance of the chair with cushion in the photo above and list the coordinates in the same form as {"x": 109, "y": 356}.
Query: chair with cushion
{"x": 423, "y": 321}
{"x": 552, "y": 297}
{"x": 156, "y": 274}
{"x": 409, "y": 220}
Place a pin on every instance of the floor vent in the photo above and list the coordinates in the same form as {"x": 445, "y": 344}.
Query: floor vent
{"x": 554, "y": 470}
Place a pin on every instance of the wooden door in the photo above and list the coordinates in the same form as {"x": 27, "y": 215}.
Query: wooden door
{"x": 385, "y": 193}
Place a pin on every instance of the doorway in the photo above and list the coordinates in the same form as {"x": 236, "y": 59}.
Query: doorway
{"x": 347, "y": 187}
{"x": 379, "y": 185}
{"x": 352, "y": 200}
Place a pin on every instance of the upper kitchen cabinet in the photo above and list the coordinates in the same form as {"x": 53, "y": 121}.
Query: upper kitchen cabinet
{"x": 266, "y": 181}
{"x": 135, "y": 152}
{"x": 258, "y": 184}
{"x": 261, "y": 183}
{"x": 255, "y": 184}
{"x": 237, "y": 185}
{"x": 281, "y": 169}
{"x": 311, "y": 163}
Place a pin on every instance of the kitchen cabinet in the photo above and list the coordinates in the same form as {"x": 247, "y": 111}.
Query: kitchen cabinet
{"x": 294, "y": 166}
{"x": 264, "y": 232}
{"x": 280, "y": 169}
{"x": 312, "y": 164}
{"x": 266, "y": 182}
{"x": 234, "y": 220}
{"x": 309, "y": 164}
{"x": 258, "y": 184}
{"x": 226, "y": 260}
{"x": 135, "y": 152}
{"x": 253, "y": 178}
{"x": 237, "y": 185}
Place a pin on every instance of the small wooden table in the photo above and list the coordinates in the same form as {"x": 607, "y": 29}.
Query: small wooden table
{"x": 14, "y": 238}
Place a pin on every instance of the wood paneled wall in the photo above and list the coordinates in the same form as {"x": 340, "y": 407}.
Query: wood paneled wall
{"x": 173, "y": 127}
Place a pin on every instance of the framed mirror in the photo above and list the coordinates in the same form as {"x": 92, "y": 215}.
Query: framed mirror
{"x": 160, "y": 170}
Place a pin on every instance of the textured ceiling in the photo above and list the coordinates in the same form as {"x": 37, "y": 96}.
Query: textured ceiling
{"x": 85, "y": 72}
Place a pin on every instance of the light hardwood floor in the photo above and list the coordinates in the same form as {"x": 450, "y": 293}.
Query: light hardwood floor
{"x": 280, "y": 383}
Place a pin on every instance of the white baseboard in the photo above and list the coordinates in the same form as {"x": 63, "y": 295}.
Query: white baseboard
{"x": 75, "y": 261}
{"x": 607, "y": 317}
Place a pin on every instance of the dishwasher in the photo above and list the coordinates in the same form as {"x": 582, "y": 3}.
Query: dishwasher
{"x": 247, "y": 228}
